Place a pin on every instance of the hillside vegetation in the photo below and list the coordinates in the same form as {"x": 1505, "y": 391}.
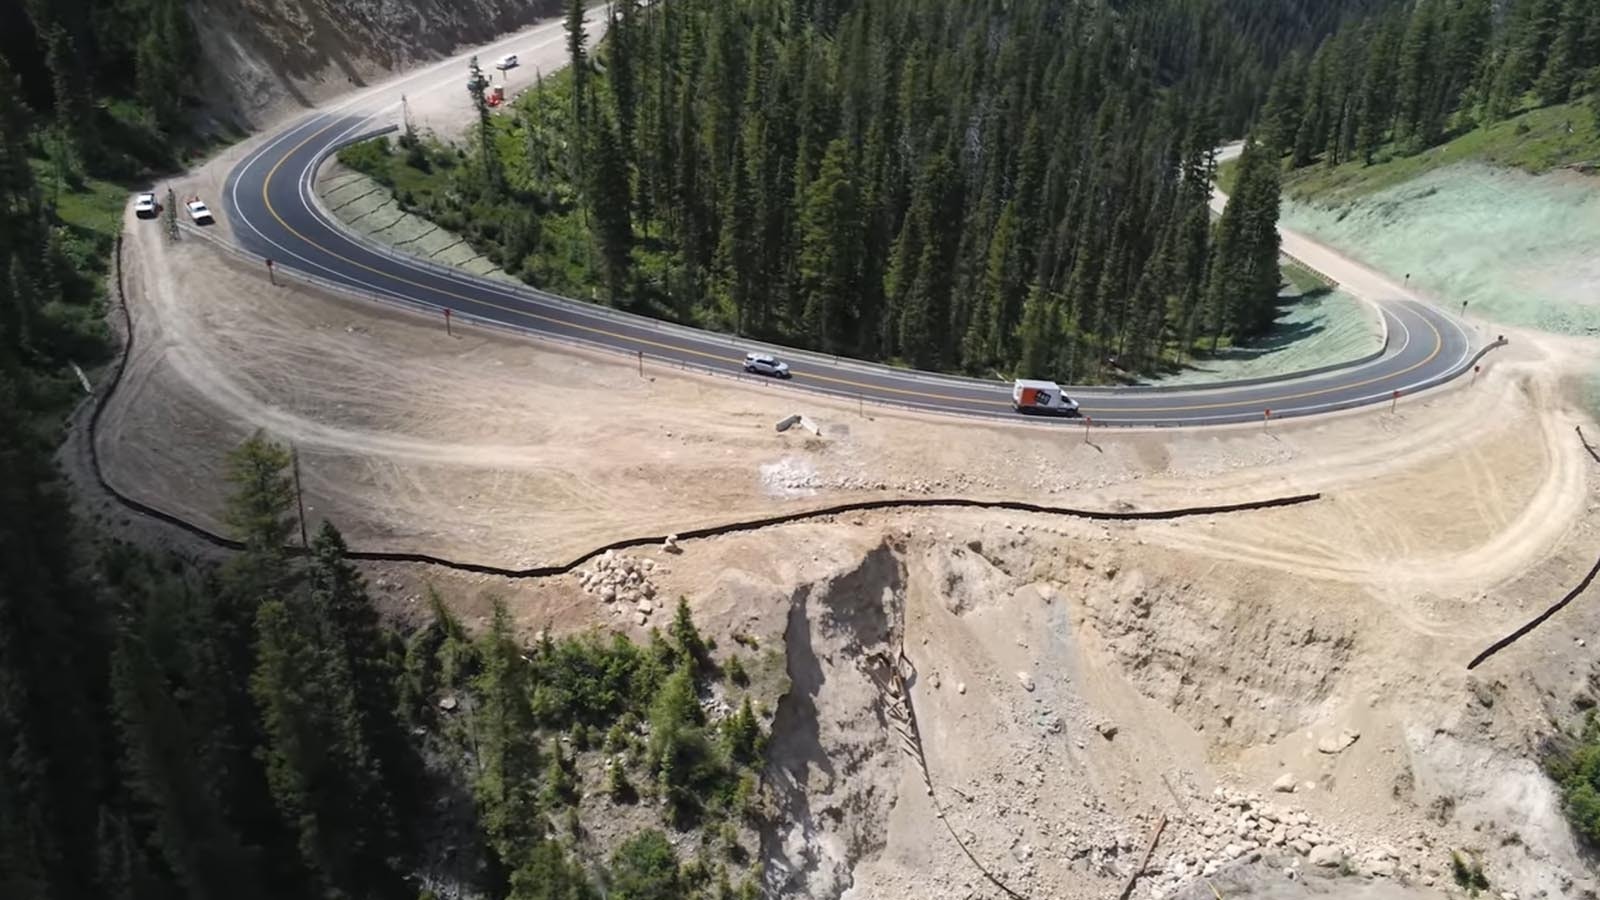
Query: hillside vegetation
{"x": 1439, "y": 82}
{"x": 954, "y": 186}
{"x": 1536, "y": 141}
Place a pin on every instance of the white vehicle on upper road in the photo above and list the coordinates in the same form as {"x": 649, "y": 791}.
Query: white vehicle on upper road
{"x": 1042, "y": 397}
{"x": 765, "y": 364}
{"x": 509, "y": 61}
{"x": 199, "y": 212}
{"x": 145, "y": 206}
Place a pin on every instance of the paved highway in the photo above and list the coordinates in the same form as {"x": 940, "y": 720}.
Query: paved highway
{"x": 270, "y": 199}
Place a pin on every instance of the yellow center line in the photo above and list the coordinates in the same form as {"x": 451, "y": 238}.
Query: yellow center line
{"x": 864, "y": 387}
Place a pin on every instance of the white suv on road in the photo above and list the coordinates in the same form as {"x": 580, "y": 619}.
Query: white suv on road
{"x": 764, "y": 364}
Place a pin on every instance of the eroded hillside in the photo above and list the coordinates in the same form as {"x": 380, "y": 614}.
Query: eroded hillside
{"x": 265, "y": 57}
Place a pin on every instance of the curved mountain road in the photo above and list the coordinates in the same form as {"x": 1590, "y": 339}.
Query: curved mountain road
{"x": 271, "y": 200}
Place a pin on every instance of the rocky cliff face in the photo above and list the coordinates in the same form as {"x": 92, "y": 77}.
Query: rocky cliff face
{"x": 266, "y": 58}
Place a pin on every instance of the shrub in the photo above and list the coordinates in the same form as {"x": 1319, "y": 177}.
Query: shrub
{"x": 736, "y": 673}
{"x": 646, "y": 868}
{"x": 1468, "y": 873}
{"x": 1574, "y": 764}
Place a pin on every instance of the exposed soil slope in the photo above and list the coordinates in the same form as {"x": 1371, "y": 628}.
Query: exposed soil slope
{"x": 263, "y": 58}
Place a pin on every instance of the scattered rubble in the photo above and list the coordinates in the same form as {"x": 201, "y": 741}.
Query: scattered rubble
{"x": 625, "y": 583}
{"x": 1240, "y": 826}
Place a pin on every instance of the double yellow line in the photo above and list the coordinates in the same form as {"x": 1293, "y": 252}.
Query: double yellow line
{"x": 859, "y": 387}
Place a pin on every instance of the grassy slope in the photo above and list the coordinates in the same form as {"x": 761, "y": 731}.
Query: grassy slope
{"x": 89, "y": 216}
{"x": 1536, "y": 142}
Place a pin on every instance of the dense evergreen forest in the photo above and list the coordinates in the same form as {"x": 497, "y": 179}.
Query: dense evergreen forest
{"x": 1411, "y": 78}
{"x": 173, "y": 728}
{"x": 981, "y": 187}
{"x": 170, "y": 729}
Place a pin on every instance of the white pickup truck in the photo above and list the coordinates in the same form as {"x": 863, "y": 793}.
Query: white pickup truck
{"x": 199, "y": 212}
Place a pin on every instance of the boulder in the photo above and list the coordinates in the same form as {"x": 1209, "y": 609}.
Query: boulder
{"x": 1285, "y": 783}
{"x": 1027, "y": 681}
{"x": 1107, "y": 730}
{"x": 1327, "y": 856}
{"x": 1338, "y": 744}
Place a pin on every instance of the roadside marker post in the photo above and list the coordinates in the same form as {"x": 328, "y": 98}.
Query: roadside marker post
{"x": 270, "y": 276}
{"x": 1266, "y": 417}
{"x": 1394, "y": 402}
{"x": 447, "y": 331}
{"x": 1475, "y": 371}
{"x": 1088, "y": 421}
{"x": 641, "y": 363}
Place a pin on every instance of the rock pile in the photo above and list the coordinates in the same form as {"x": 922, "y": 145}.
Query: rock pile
{"x": 1240, "y": 826}
{"x": 624, "y": 583}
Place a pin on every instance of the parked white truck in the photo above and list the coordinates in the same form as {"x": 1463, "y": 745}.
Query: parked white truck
{"x": 1042, "y": 397}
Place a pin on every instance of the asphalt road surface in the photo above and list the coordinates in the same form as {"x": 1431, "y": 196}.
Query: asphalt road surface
{"x": 271, "y": 201}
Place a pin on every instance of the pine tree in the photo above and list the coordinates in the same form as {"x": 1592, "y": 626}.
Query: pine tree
{"x": 52, "y": 667}
{"x": 166, "y": 772}
{"x": 507, "y": 782}
{"x": 1562, "y": 67}
{"x": 73, "y": 107}
{"x": 548, "y": 874}
{"x": 263, "y": 495}
{"x": 324, "y": 779}
{"x": 610, "y": 198}
{"x": 1378, "y": 108}
{"x": 1038, "y": 334}
{"x": 373, "y": 658}
{"x": 742, "y": 734}
{"x": 1418, "y": 117}
{"x": 578, "y": 64}
{"x": 488, "y": 157}
{"x": 830, "y": 244}
{"x": 691, "y": 647}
